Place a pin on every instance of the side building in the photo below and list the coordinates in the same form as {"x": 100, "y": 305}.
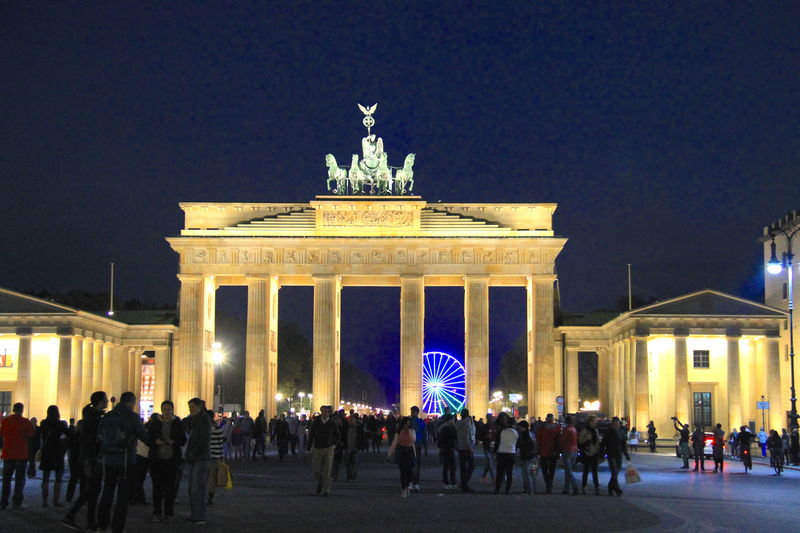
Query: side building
{"x": 51, "y": 354}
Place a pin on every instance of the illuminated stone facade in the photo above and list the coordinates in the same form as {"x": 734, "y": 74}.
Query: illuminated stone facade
{"x": 51, "y": 354}
{"x": 338, "y": 241}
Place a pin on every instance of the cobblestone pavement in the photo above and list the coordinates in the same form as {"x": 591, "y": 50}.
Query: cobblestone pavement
{"x": 277, "y": 497}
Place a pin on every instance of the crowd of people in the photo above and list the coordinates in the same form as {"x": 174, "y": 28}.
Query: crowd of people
{"x": 109, "y": 453}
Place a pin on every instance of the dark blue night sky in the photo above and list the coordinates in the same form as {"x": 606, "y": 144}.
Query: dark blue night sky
{"x": 668, "y": 133}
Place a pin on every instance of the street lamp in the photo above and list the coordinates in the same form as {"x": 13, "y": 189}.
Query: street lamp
{"x": 775, "y": 267}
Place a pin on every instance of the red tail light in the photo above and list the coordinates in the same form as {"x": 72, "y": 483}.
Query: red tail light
{"x": 709, "y": 442}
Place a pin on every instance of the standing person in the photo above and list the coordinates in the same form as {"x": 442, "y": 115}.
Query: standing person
{"x": 282, "y": 436}
{"x": 505, "y": 447}
{"x": 198, "y": 457}
{"x": 786, "y": 445}
{"x": 404, "y": 447}
{"x": 633, "y": 439}
{"x": 352, "y": 433}
{"x": 246, "y": 424}
{"x": 589, "y": 440}
{"x": 683, "y": 443}
{"x": 227, "y": 436}
{"x": 216, "y": 452}
{"x": 338, "y": 450}
{"x": 698, "y": 447}
{"x": 391, "y": 427}
{"x": 91, "y": 471}
{"x": 546, "y": 438}
{"x": 117, "y": 433}
{"x": 302, "y": 435}
{"x": 465, "y": 441}
{"x": 323, "y": 436}
{"x": 733, "y": 442}
{"x": 168, "y": 438}
{"x": 54, "y": 438}
{"x": 293, "y": 424}
{"x": 762, "y": 441}
{"x": 487, "y": 440}
{"x": 614, "y": 447}
{"x": 259, "y": 434}
{"x": 718, "y": 448}
{"x": 527, "y": 454}
{"x": 446, "y": 443}
{"x": 775, "y": 447}
{"x": 568, "y": 442}
{"x": 34, "y": 444}
{"x": 74, "y": 454}
{"x": 16, "y": 431}
{"x": 652, "y": 436}
{"x": 422, "y": 441}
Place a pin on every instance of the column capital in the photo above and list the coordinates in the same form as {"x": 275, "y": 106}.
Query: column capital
{"x": 542, "y": 278}
{"x": 412, "y": 277}
{"x": 680, "y": 333}
{"x": 477, "y": 277}
{"x": 24, "y": 332}
{"x": 183, "y": 277}
{"x": 733, "y": 334}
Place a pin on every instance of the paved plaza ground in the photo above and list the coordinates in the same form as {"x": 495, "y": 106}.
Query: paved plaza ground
{"x": 274, "y": 497}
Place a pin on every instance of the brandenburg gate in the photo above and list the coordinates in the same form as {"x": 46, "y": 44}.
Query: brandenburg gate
{"x": 370, "y": 232}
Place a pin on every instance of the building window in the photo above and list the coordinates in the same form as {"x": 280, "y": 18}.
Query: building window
{"x": 5, "y": 402}
{"x": 702, "y": 408}
{"x": 701, "y": 358}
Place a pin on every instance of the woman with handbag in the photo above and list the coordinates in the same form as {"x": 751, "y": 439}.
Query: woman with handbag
{"x": 54, "y": 438}
{"x": 589, "y": 442}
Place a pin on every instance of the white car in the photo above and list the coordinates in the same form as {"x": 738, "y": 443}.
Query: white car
{"x": 708, "y": 450}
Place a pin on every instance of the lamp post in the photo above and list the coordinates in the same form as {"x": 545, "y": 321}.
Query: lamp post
{"x": 302, "y": 399}
{"x": 776, "y": 267}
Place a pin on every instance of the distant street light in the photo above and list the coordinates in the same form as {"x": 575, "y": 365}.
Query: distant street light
{"x": 218, "y": 357}
{"x": 775, "y": 267}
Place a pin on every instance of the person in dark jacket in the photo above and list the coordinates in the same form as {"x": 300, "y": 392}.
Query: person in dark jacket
{"x": 198, "y": 457}
{"x": 527, "y": 454}
{"x": 615, "y": 446}
{"x": 90, "y": 469}
{"x": 652, "y": 436}
{"x": 698, "y": 446}
{"x": 683, "y": 443}
{"x": 54, "y": 438}
{"x": 167, "y": 435}
{"x": 323, "y": 436}
{"x": 352, "y": 439}
{"x": 34, "y": 443}
{"x": 447, "y": 451}
{"x": 259, "y": 433}
{"x": 118, "y": 459}
{"x": 282, "y": 436}
{"x": 74, "y": 455}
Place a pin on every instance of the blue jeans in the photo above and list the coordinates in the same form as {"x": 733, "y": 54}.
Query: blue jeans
{"x": 569, "y": 464}
{"x": 527, "y": 482}
{"x": 198, "y": 488}
{"x": 14, "y": 468}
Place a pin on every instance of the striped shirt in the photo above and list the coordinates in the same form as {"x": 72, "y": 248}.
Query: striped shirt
{"x": 216, "y": 443}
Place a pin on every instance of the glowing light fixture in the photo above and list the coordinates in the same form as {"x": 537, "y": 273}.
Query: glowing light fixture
{"x": 774, "y": 266}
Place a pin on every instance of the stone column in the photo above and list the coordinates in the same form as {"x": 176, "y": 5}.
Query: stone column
{"x": 412, "y": 341}
{"x": 22, "y": 391}
{"x": 572, "y": 403}
{"x": 541, "y": 357}
{"x": 630, "y": 347}
{"x": 734, "y": 381}
{"x": 327, "y": 309}
{"x": 613, "y": 380}
{"x": 97, "y": 365}
{"x": 260, "y": 382}
{"x": 120, "y": 371}
{"x": 76, "y": 401}
{"x": 776, "y": 410}
{"x": 642, "y": 384}
{"x": 136, "y": 380}
{"x": 188, "y": 379}
{"x": 681, "y": 377}
{"x": 64, "y": 379}
{"x": 107, "y": 369}
{"x": 161, "y": 377}
{"x": 87, "y": 371}
{"x": 602, "y": 382}
{"x": 476, "y": 343}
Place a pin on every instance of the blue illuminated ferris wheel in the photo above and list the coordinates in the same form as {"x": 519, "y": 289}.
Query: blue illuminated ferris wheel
{"x": 443, "y": 383}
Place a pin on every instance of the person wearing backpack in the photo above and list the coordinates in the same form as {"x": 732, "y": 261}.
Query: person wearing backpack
{"x": 118, "y": 433}
{"x": 90, "y": 471}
